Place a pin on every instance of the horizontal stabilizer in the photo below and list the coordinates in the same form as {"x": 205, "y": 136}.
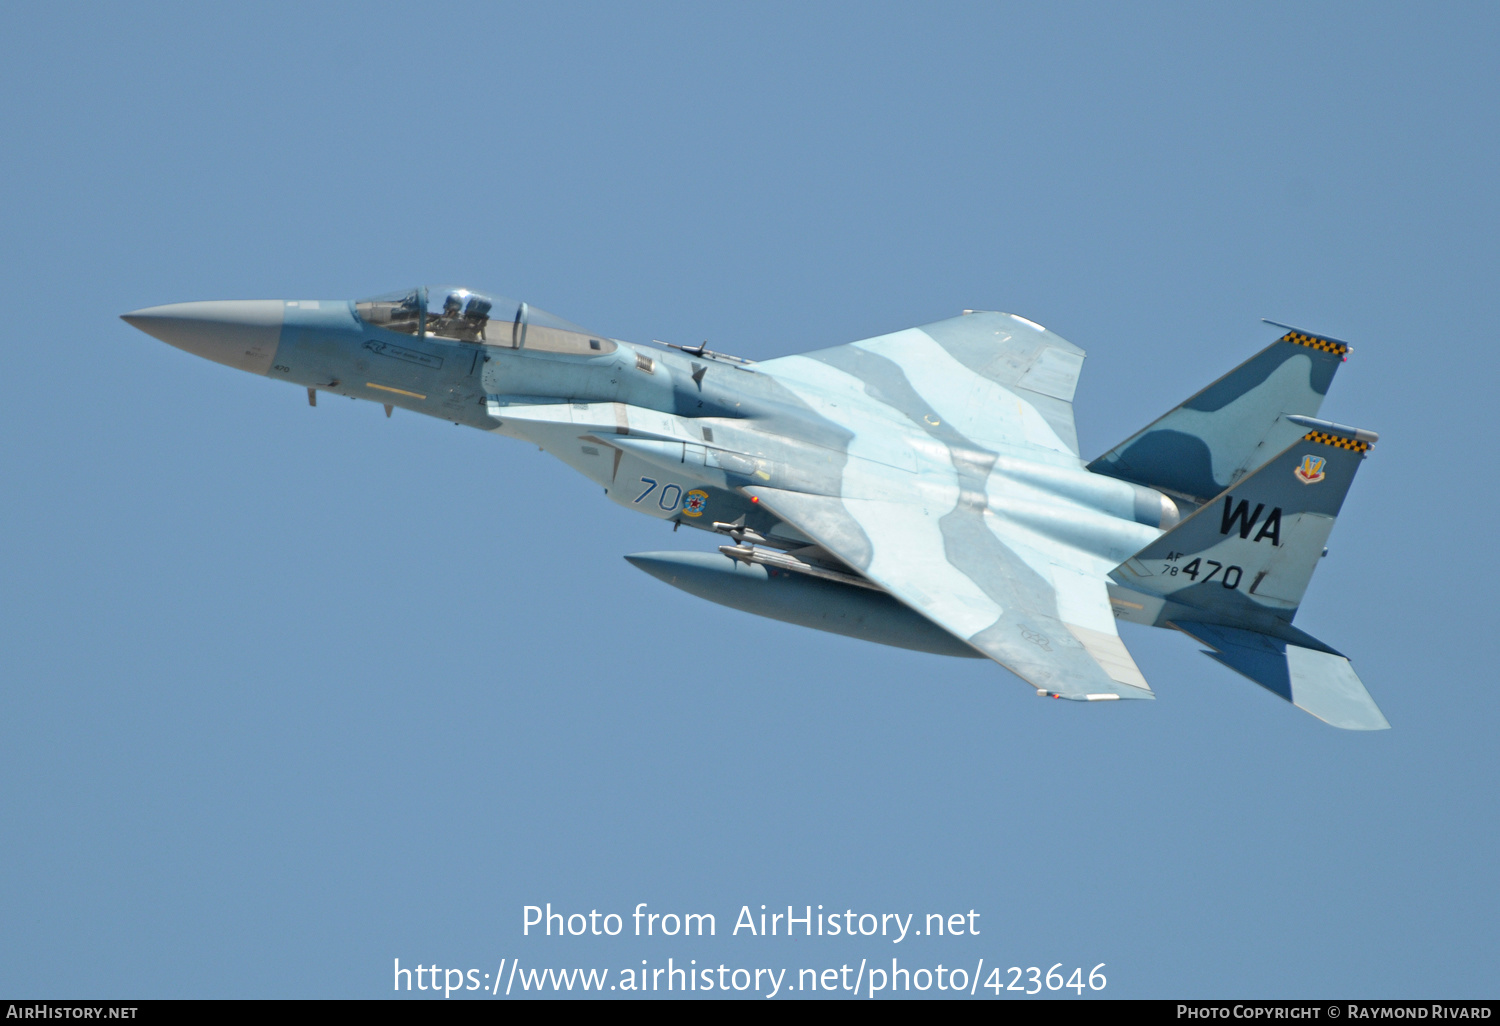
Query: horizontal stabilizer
{"x": 1318, "y": 681}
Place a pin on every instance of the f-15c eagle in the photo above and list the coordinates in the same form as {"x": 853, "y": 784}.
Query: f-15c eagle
{"x": 922, "y": 489}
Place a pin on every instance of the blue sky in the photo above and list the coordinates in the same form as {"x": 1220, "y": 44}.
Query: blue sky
{"x": 289, "y": 693}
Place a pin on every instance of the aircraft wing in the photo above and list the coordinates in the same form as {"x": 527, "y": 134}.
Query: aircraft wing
{"x": 960, "y": 395}
{"x": 1055, "y": 630}
{"x": 1003, "y": 379}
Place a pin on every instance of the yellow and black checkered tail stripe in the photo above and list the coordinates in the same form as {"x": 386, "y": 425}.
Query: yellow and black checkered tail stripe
{"x": 1337, "y": 441}
{"x": 1314, "y": 342}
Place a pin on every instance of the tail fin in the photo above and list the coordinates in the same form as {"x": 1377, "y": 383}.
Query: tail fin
{"x": 1234, "y": 573}
{"x": 1232, "y": 426}
{"x": 1245, "y": 557}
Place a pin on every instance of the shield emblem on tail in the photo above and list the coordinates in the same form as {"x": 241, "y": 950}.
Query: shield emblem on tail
{"x": 1310, "y": 471}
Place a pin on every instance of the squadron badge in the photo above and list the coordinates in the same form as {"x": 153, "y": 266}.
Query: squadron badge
{"x": 695, "y": 504}
{"x": 1311, "y": 470}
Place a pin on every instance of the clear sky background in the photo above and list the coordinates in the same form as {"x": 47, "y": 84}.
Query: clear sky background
{"x": 287, "y": 693}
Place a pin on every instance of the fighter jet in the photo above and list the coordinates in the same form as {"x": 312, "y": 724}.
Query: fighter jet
{"x": 922, "y": 489}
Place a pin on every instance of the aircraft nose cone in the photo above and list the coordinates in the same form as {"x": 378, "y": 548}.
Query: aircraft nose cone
{"x": 242, "y": 333}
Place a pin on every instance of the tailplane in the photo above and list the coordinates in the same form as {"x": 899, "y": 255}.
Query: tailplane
{"x": 1312, "y": 676}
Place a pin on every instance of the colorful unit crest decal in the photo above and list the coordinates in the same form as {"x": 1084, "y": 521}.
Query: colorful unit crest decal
{"x": 1311, "y": 470}
{"x": 695, "y": 503}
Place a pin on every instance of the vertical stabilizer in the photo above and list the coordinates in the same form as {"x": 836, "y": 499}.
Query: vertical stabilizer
{"x": 1245, "y": 557}
{"x": 1234, "y": 425}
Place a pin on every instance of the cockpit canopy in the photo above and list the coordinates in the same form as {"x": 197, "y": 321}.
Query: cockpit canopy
{"x": 448, "y": 311}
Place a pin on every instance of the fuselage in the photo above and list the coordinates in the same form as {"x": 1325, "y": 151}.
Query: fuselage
{"x": 921, "y": 489}
{"x": 671, "y": 434}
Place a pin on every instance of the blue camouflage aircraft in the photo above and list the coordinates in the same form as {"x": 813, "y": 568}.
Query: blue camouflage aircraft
{"x": 921, "y": 489}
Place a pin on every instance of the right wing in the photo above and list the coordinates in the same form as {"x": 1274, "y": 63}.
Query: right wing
{"x": 956, "y": 394}
{"x": 981, "y": 367}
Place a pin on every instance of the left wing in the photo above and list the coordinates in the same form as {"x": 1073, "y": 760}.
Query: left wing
{"x": 957, "y": 394}
{"x": 1058, "y": 635}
